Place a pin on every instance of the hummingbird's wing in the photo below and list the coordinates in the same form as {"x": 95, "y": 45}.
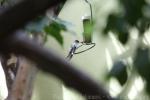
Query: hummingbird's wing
{"x": 71, "y": 53}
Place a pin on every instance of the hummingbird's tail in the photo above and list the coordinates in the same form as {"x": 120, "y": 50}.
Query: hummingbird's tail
{"x": 69, "y": 57}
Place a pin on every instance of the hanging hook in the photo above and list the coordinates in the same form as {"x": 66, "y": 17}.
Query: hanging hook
{"x": 90, "y": 10}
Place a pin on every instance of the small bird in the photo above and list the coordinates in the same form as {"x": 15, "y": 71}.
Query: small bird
{"x": 73, "y": 48}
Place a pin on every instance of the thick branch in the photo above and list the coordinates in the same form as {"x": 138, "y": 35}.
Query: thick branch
{"x": 23, "y": 85}
{"x": 23, "y": 12}
{"x": 51, "y": 63}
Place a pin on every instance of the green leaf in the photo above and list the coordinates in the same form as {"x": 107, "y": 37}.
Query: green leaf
{"x": 118, "y": 26}
{"x": 143, "y": 25}
{"x": 142, "y": 64}
{"x": 133, "y": 10}
{"x": 123, "y": 37}
{"x": 119, "y": 71}
{"x": 54, "y": 29}
{"x": 141, "y": 61}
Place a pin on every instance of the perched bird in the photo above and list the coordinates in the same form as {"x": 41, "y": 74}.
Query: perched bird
{"x": 73, "y": 48}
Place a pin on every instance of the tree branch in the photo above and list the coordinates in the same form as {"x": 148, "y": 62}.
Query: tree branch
{"x": 17, "y": 16}
{"x": 51, "y": 63}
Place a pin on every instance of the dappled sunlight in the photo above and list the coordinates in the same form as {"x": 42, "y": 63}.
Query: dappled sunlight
{"x": 139, "y": 84}
{"x": 109, "y": 61}
{"x": 132, "y": 93}
{"x": 147, "y": 37}
{"x": 134, "y": 33}
{"x": 136, "y": 88}
{"x": 117, "y": 45}
{"x": 114, "y": 87}
{"x": 3, "y": 87}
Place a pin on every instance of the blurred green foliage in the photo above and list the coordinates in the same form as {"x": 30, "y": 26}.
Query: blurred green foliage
{"x": 133, "y": 10}
{"x": 119, "y": 24}
{"x": 54, "y": 29}
{"x": 48, "y": 25}
{"x": 131, "y": 16}
{"x": 119, "y": 71}
{"x": 142, "y": 64}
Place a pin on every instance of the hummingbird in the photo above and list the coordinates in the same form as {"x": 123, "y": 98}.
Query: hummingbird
{"x": 73, "y": 48}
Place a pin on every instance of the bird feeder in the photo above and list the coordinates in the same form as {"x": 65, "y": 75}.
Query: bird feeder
{"x": 88, "y": 29}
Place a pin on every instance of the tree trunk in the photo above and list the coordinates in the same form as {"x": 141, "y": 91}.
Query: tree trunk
{"x": 23, "y": 84}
